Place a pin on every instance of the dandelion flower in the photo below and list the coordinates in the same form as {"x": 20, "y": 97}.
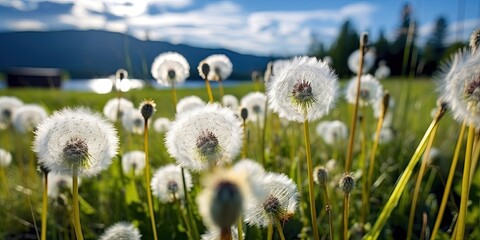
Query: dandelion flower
{"x": 58, "y": 184}
{"x": 230, "y": 101}
{"x": 213, "y": 233}
{"x": 27, "y": 117}
{"x": 347, "y": 183}
{"x": 354, "y": 61}
{"x": 320, "y": 175}
{"x": 133, "y": 161}
{"x": 335, "y": 132}
{"x": 220, "y": 67}
{"x": 371, "y": 90}
{"x": 255, "y": 104}
{"x": 7, "y": 106}
{"x": 170, "y": 67}
{"x": 75, "y": 142}
{"x": 189, "y": 103}
{"x": 113, "y": 105}
{"x": 383, "y": 71}
{"x": 133, "y": 121}
{"x": 167, "y": 183}
{"x": 252, "y": 168}
{"x": 121, "y": 231}
{"x": 5, "y": 158}
{"x": 161, "y": 125}
{"x": 305, "y": 89}
{"x": 280, "y": 202}
{"x": 205, "y": 137}
{"x": 322, "y": 127}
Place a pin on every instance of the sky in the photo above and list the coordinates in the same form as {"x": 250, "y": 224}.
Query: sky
{"x": 259, "y": 27}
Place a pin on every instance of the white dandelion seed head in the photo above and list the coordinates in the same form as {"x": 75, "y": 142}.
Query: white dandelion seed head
{"x": 331, "y": 165}
{"x": 121, "y": 231}
{"x": 113, "y": 105}
{"x": 205, "y": 137}
{"x": 383, "y": 71}
{"x": 133, "y": 161}
{"x": 386, "y": 136}
{"x": 161, "y": 125}
{"x": 26, "y": 117}
{"x": 328, "y": 60}
{"x": 223, "y": 197}
{"x": 280, "y": 202}
{"x": 5, "y": 158}
{"x": 335, "y": 132}
{"x": 322, "y": 127}
{"x": 370, "y": 90}
{"x": 58, "y": 184}
{"x": 304, "y": 84}
{"x": 213, "y": 233}
{"x": 133, "y": 121}
{"x": 75, "y": 141}
{"x": 254, "y": 102}
{"x": 251, "y": 167}
{"x": 170, "y": 67}
{"x": 188, "y": 104}
{"x": 354, "y": 61}
{"x": 378, "y": 105}
{"x": 220, "y": 67}
{"x": 230, "y": 101}
{"x": 167, "y": 183}
{"x": 8, "y": 104}
{"x": 277, "y": 67}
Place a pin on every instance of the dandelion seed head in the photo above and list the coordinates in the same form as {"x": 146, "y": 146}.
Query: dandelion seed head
{"x": 133, "y": 161}
{"x": 371, "y": 90}
{"x": 161, "y": 125}
{"x": 347, "y": 183}
{"x": 188, "y": 104}
{"x": 170, "y": 68}
{"x": 167, "y": 183}
{"x": 332, "y": 132}
{"x": 230, "y": 101}
{"x": 213, "y": 233}
{"x": 383, "y": 71}
{"x": 58, "y": 184}
{"x": 121, "y": 231}
{"x": 26, "y": 117}
{"x": 320, "y": 175}
{"x": 147, "y": 108}
{"x": 219, "y": 67}
{"x": 318, "y": 84}
{"x": 133, "y": 121}
{"x": 5, "y": 158}
{"x": 475, "y": 40}
{"x": 254, "y": 102}
{"x": 354, "y": 61}
{"x": 113, "y": 105}
{"x": 8, "y": 105}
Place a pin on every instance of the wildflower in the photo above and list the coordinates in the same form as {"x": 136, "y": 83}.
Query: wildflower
{"x": 347, "y": 183}
{"x": 371, "y": 90}
{"x": 133, "y": 161}
{"x": 230, "y": 101}
{"x": 223, "y": 198}
{"x": 58, "y": 184}
{"x": 280, "y": 201}
{"x": 219, "y": 65}
{"x": 205, "y": 137}
{"x": 121, "y": 231}
{"x": 354, "y": 61}
{"x": 113, "y": 105}
{"x": 133, "y": 121}
{"x": 26, "y": 117}
{"x": 7, "y": 106}
{"x": 213, "y": 233}
{"x": 255, "y": 104}
{"x": 5, "y": 158}
{"x": 167, "y": 183}
{"x": 383, "y": 71}
{"x": 320, "y": 175}
{"x": 75, "y": 142}
{"x": 161, "y": 125}
{"x": 189, "y": 103}
{"x": 170, "y": 67}
{"x": 304, "y": 89}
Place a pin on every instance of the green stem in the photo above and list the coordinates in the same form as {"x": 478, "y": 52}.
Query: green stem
{"x": 245, "y": 141}
{"x": 460, "y": 234}
{"x": 475, "y": 155}
{"x": 363, "y": 166}
{"x": 346, "y": 203}
{"x": 147, "y": 180}
{"x": 240, "y": 228}
{"x": 184, "y": 218}
{"x": 416, "y": 190}
{"x": 279, "y": 229}
{"x": 264, "y": 130}
{"x": 209, "y": 91}
{"x": 220, "y": 88}
{"x": 44, "y": 206}
{"x": 328, "y": 209}
{"x": 76, "y": 210}
{"x": 174, "y": 96}
{"x": 189, "y": 210}
{"x": 270, "y": 232}
{"x": 313, "y": 211}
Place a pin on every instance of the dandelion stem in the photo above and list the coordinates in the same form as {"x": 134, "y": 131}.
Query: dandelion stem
{"x": 346, "y": 202}
{"x": 184, "y": 218}
{"x": 147, "y": 179}
{"x": 209, "y": 90}
{"x": 264, "y": 129}
{"x": 270, "y": 232}
{"x": 189, "y": 211}
{"x": 328, "y": 209}
{"x": 240, "y": 228}
{"x": 465, "y": 184}
{"x": 313, "y": 211}
{"x": 245, "y": 136}
{"x": 475, "y": 155}
{"x": 220, "y": 88}
{"x": 363, "y": 166}
{"x": 448, "y": 184}
{"x": 44, "y": 206}
{"x": 3, "y": 177}
{"x": 416, "y": 190}
{"x": 279, "y": 229}
{"x": 174, "y": 96}
{"x": 76, "y": 210}
{"x": 226, "y": 234}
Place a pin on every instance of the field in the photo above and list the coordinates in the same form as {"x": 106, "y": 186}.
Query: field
{"x": 114, "y": 196}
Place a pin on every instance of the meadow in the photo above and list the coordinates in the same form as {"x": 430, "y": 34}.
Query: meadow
{"x": 114, "y": 196}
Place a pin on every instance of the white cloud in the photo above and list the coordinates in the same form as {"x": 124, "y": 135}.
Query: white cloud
{"x": 26, "y": 24}
{"x": 171, "y": 3}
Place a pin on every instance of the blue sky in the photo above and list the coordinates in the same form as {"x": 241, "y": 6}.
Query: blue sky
{"x": 261, "y": 27}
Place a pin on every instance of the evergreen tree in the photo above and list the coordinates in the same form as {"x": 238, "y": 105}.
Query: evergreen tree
{"x": 398, "y": 47}
{"x": 382, "y": 47}
{"x": 435, "y": 46}
{"x": 346, "y": 42}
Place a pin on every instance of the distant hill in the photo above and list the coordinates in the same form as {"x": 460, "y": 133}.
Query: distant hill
{"x": 92, "y": 53}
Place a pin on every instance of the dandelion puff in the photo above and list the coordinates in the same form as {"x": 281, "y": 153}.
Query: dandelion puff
{"x": 26, "y": 117}
{"x": 322, "y": 127}
{"x": 386, "y": 135}
{"x": 304, "y": 85}
{"x": 113, "y": 105}
{"x": 354, "y": 61}
{"x": 170, "y": 67}
{"x": 161, "y": 125}
{"x": 133, "y": 161}
{"x": 475, "y": 40}
{"x": 213, "y": 233}
{"x": 377, "y": 111}
{"x": 371, "y": 90}
{"x": 205, "y": 137}
{"x": 251, "y": 167}
{"x": 230, "y": 101}
{"x": 220, "y": 67}
{"x": 75, "y": 142}
{"x": 121, "y": 231}
{"x": 280, "y": 202}
{"x": 133, "y": 121}
{"x": 5, "y": 158}
{"x": 255, "y": 104}
{"x": 8, "y": 105}
{"x": 58, "y": 184}
{"x": 383, "y": 71}
{"x": 167, "y": 183}
{"x": 188, "y": 104}
{"x": 335, "y": 132}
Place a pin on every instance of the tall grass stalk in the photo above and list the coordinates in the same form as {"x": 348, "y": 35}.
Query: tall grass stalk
{"x": 328, "y": 209}
{"x": 44, "y": 206}
{"x": 403, "y": 179}
{"x": 416, "y": 190}
{"x": 363, "y": 167}
{"x": 448, "y": 184}
{"x": 209, "y": 90}
{"x": 184, "y": 218}
{"x": 475, "y": 155}
{"x": 279, "y": 229}
{"x": 76, "y": 210}
{"x": 147, "y": 179}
